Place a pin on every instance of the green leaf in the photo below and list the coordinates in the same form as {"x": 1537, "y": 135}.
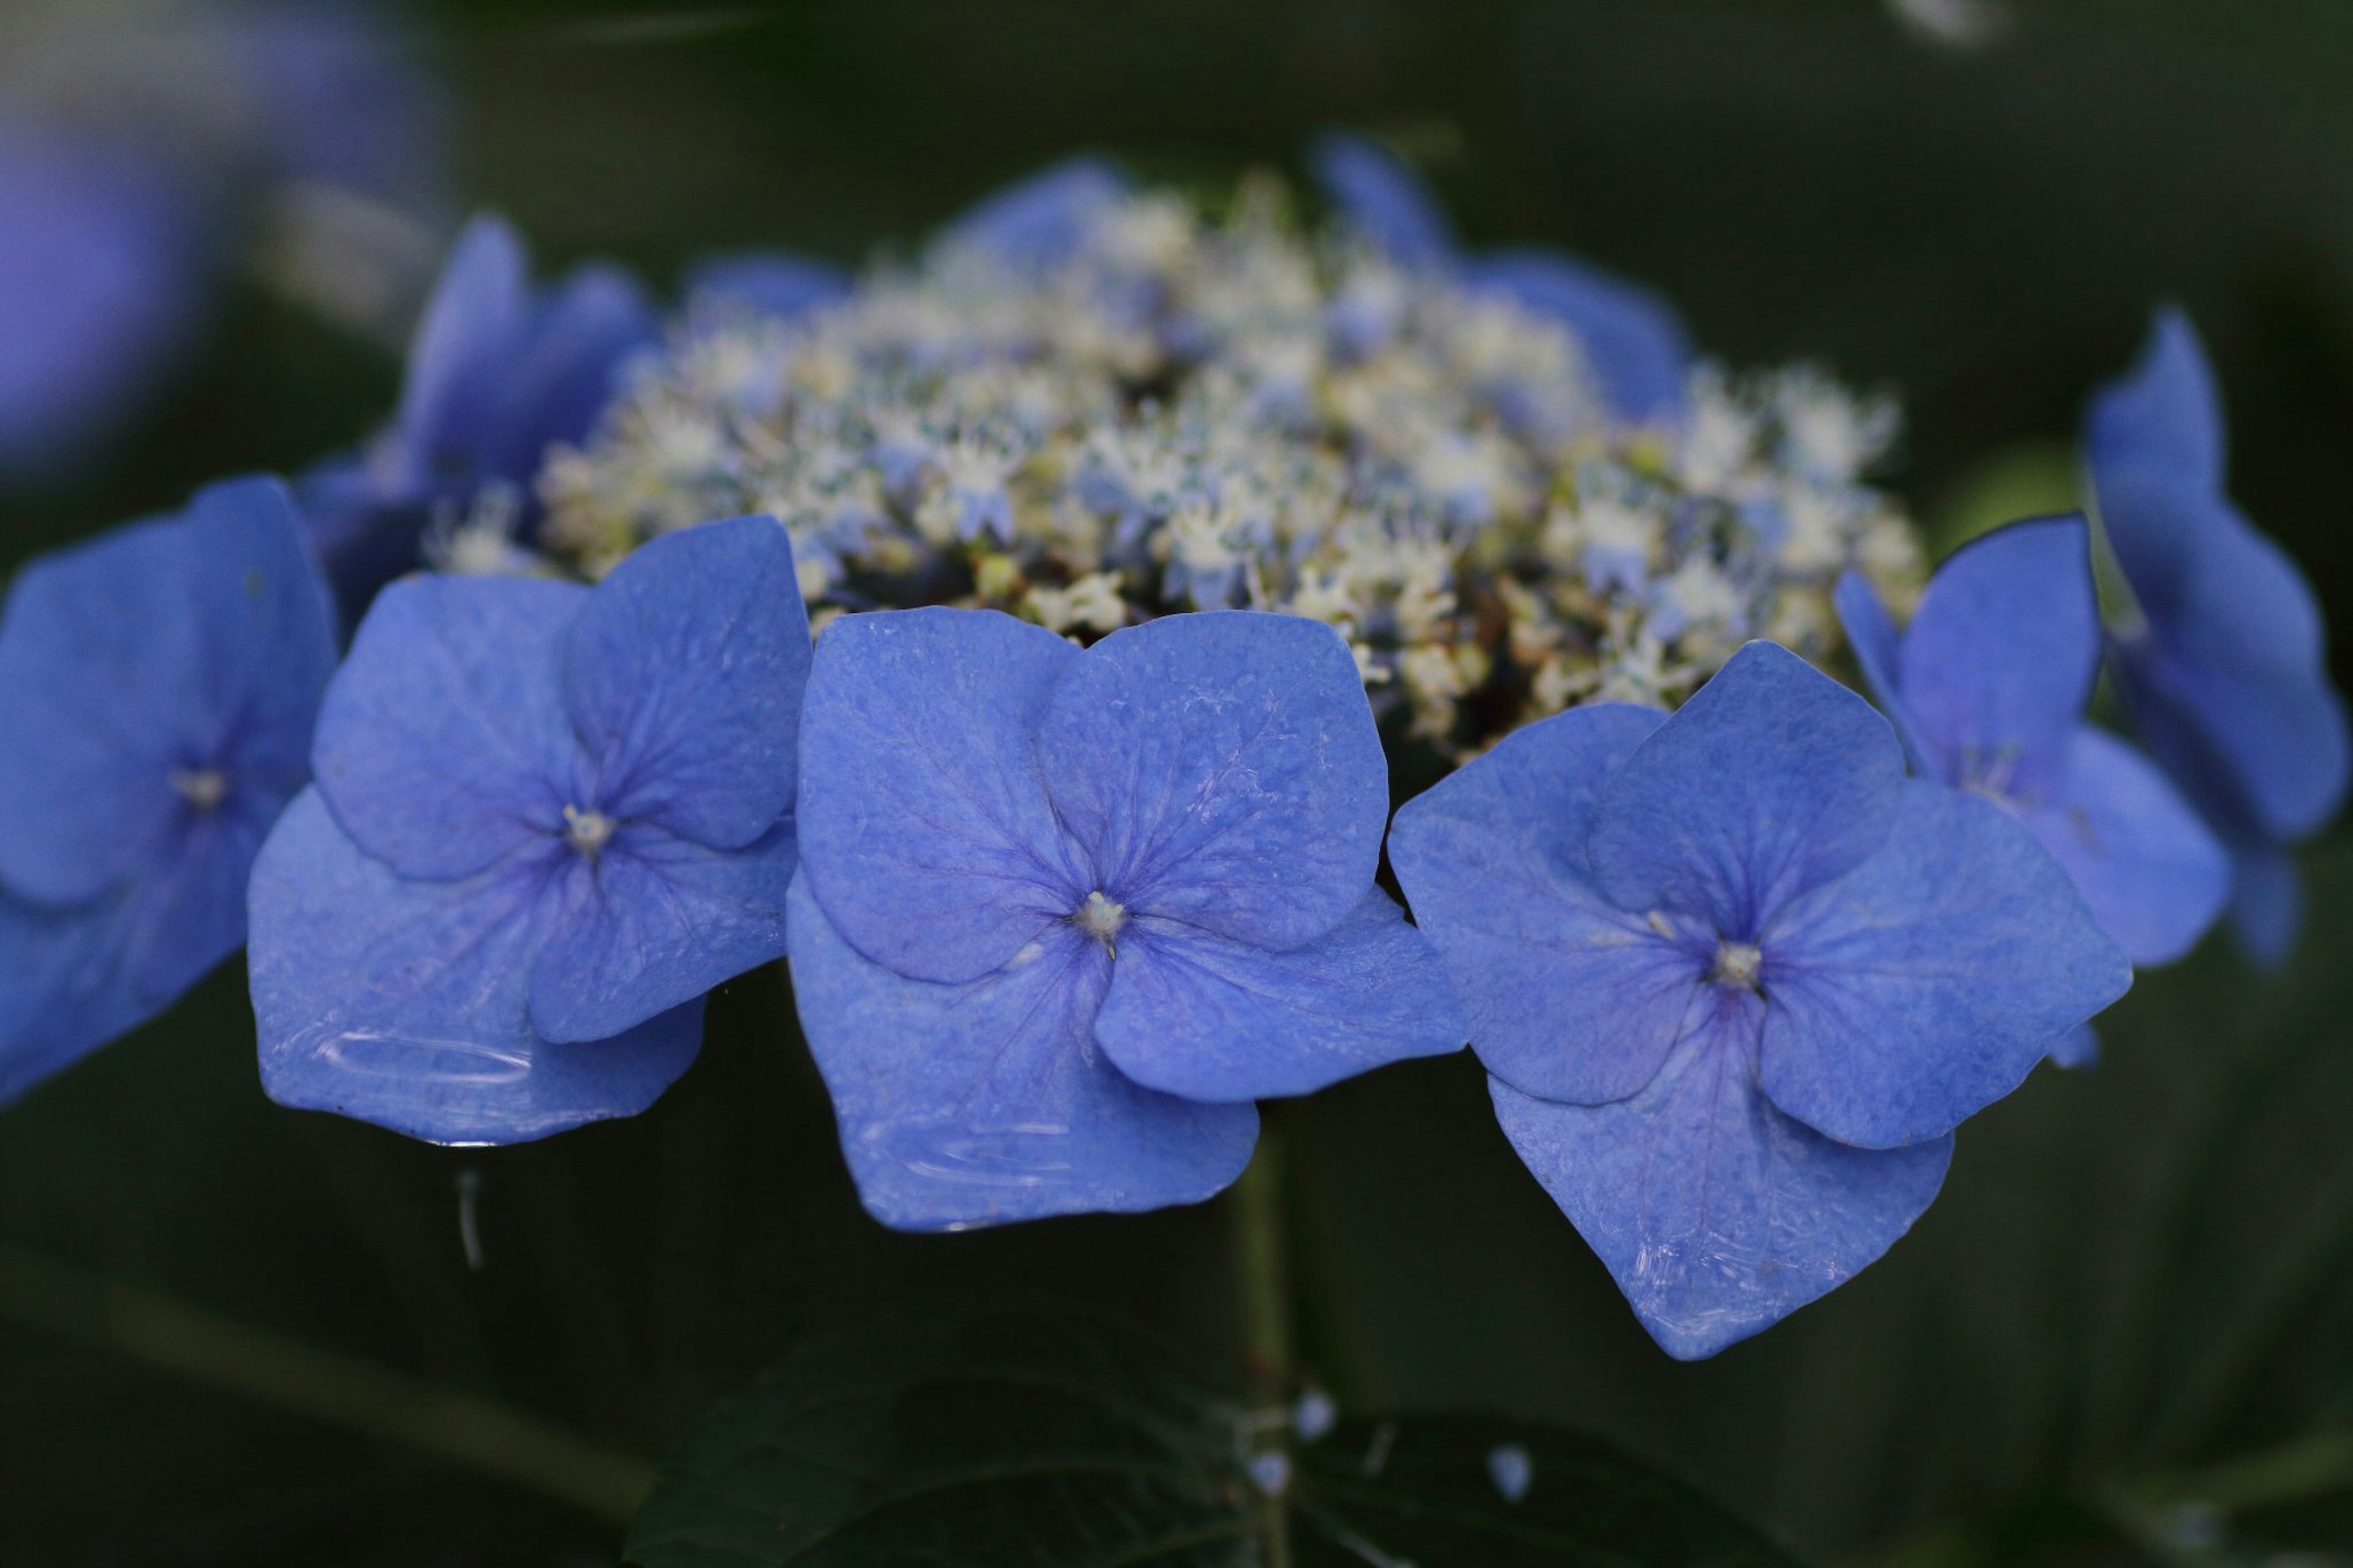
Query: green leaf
{"x": 1036, "y": 1437}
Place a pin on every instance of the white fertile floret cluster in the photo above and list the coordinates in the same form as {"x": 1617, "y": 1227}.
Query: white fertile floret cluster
{"x": 1201, "y": 409}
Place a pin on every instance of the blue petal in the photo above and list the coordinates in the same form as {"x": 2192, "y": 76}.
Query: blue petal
{"x": 567, "y": 365}
{"x": 1633, "y": 343}
{"x": 472, "y": 329}
{"x": 1222, "y": 769}
{"x": 1198, "y": 1016}
{"x": 975, "y": 1104}
{"x": 655, "y": 922}
{"x": 102, "y": 260}
{"x": 2266, "y": 903}
{"x": 1773, "y": 779}
{"x": 1381, "y": 197}
{"x": 175, "y": 647}
{"x": 925, "y": 828}
{"x": 1924, "y": 984}
{"x": 1568, "y": 996}
{"x": 70, "y": 981}
{"x": 1999, "y": 662}
{"x": 443, "y": 740}
{"x": 2229, "y": 684}
{"x": 684, "y": 675}
{"x": 1879, "y": 654}
{"x": 408, "y": 1004}
{"x": 1041, "y": 222}
{"x": 2166, "y": 412}
{"x": 2152, "y": 875}
{"x": 767, "y": 282}
{"x": 1717, "y": 1214}
{"x": 2229, "y": 677}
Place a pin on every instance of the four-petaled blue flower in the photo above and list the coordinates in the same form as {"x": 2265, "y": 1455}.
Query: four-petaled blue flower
{"x": 546, "y": 820}
{"x": 1631, "y": 338}
{"x": 157, "y": 689}
{"x": 1987, "y": 690}
{"x": 498, "y": 372}
{"x": 1063, "y": 916}
{"x": 1737, "y": 979}
{"x": 2221, "y": 660}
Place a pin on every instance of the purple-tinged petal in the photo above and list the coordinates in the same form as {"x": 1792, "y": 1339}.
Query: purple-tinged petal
{"x": 2166, "y": 412}
{"x": 764, "y": 282}
{"x": 925, "y": 828}
{"x": 1717, "y": 1214}
{"x": 655, "y": 922}
{"x": 2078, "y": 1049}
{"x": 2266, "y": 903}
{"x": 146, "y": 672}
{"x": 465, "y": 341}
{"x": 980, "y": 1103}
{"x": 1878, "y": 650}
{"x": 2153, "y": 875}
{"x": 1925, "y": 984}
{"x": 1999, "y": 662}
{"x": 1568, "y": 996}
{"x": 1378, "y": 197}
{"x": 1772, "y": 780}
{"x": 1041, "y": 221}
{"x": 406, "y": 1003}
{"x": 1221, "y": 769}
{"x": 683, "y": 674}
{"x": 443, "y": 745}
{"x": 1198, "y": 1016}
{"x": 1633, "y": 343}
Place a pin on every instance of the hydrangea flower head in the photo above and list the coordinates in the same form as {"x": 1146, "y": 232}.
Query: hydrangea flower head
{"x": 1064, "y": 915}
{"x": 1636, "y": 346}
{"x": 157, "y": 689}
{"x": 2221, "y": 660}
{"x": 1737, "y": 979}
{"x": 1987, "y": 687}
{"x": 547, "y": 820}
{"x": 1089, "y": 404}
{"x": 498, "y": 372}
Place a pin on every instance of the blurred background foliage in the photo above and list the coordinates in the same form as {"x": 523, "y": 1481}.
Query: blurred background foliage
{"x": 2135, "y": 1274}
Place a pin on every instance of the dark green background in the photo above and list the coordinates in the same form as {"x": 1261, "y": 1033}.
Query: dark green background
{"x": 2115, "y": 1251}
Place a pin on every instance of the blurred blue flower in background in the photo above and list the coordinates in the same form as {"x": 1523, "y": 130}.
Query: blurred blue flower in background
{"x": 145, "y": 148}
{"x": 2220, "y": 656}
{"x": 548, "y": 818}
{"x": 1632, "y": 340}
{"x": 1064, "y": 915}
{"x": 1039, "y": 222}
{"x": 1987, "y": 690}
{"x": 498, "y": 372}
{"x": 1737, "y": 979}
{"x": 157, "y": 689}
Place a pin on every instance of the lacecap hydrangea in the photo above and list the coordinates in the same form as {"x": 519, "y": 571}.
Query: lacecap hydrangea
{"x": 1125, "y": 523}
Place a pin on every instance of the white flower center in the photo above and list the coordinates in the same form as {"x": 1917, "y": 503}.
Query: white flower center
{"x": 587, "y": 831}
{"x": 203, "y": 788}
{"x": 1736, "y": 964}
{"x": 1101, "y": 919}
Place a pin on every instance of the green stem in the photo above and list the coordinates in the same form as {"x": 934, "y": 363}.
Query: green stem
{"x": 1262, "y": 1298}
{"x": 175, "y": 1337}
